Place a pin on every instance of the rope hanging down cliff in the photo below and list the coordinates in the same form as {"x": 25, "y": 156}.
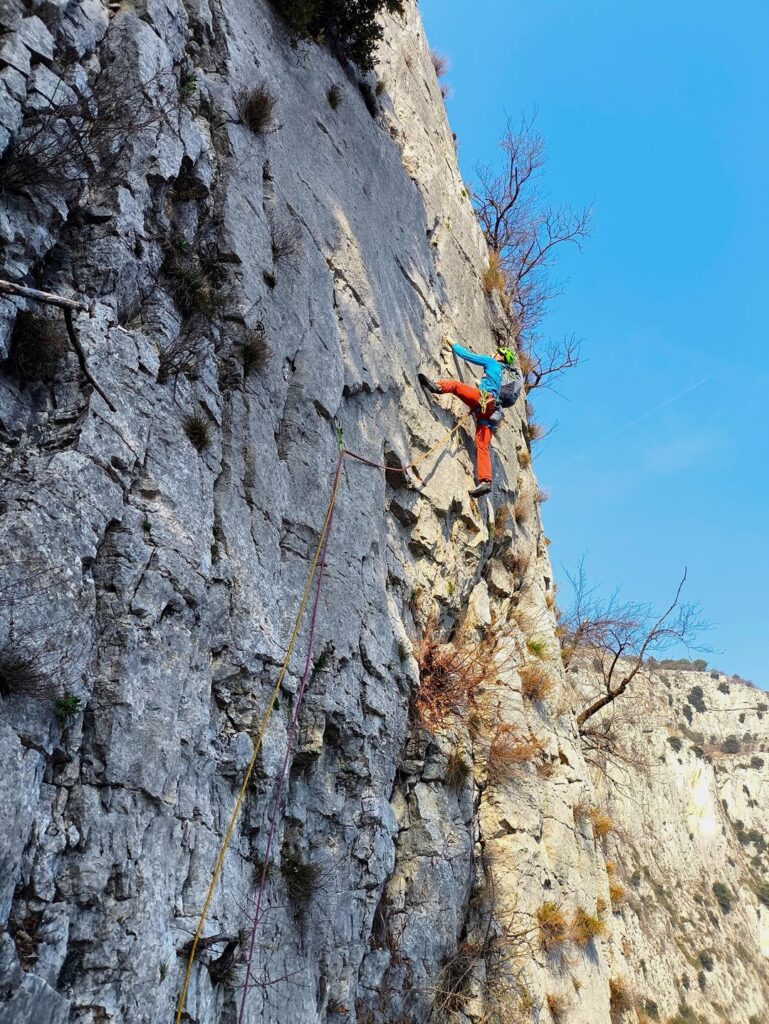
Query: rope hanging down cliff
{"x": 317, "y": 565}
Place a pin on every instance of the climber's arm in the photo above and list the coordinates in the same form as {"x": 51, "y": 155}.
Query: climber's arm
{"x": 472, "y": 357}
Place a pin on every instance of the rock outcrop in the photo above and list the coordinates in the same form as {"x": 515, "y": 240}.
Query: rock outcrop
{"x": 248, "y": 292}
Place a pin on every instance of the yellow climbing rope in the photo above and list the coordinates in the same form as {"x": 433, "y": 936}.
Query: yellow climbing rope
{"x": 344, "y": 453}
{"x": 257, "y": 746}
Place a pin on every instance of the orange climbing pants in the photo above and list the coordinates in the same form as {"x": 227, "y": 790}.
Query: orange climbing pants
{"x": 471, "y": 396}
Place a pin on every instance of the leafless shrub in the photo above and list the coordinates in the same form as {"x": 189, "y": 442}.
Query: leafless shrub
{"x": 527, "y": 232}
{"x": 455, "y": 977}
{"x": 440, "y": 62}
{"x": 22, "y": 674}
{"x": 493, "y": 279}
{"x": 620, "y": 637}
{"x": 450, "y": 673}
{"x": 286, "y": 242}
{"x": 257, "y": 109}
{"x": 39, "y": 346}
{"x": 558, "y": 1006}
{"x": 80, "y": 133}
{"x": 182, "y": 356}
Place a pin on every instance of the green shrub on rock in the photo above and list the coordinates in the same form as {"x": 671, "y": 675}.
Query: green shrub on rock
{"x": 351, "y": 27}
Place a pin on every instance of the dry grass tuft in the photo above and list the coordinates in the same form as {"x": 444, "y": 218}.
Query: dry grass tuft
{"x": 508, "y": 751}
{"x": 334, "y": 96}
{"x": 255, "y": 351}
{"x": 494, "y": 279}
{"x": 520, "y": 510}
{"x": 581, "y": 810}
{"x": 257, "y": 109}
{"x": 603, "y": 823}
{"x": 535, "y": 431}
{"x": 558, "y": 1006}
{"x": 457, "y": 771}
{"x": 553, "y": 927}
{"x": 541, "y": 496}
{"x": 524, "y": 458}
{"x": 536, "y": 682}
{"x": 197, "y": 427}
{"x": 621, "y": 995}
{"x": 616, "y": 892}
{"x": 450, "y": 673}
{"x": 585, "y": 927}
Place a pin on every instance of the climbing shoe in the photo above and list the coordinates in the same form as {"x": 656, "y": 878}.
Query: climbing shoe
{"x": 429, "y": 386}
{"x": 483, "y": 488}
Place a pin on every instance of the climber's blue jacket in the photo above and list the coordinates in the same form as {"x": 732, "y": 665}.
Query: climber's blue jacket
{"x": 491, "y": 381}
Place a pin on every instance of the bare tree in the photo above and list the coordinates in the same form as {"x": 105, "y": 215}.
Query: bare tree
{"x": 525, "y": 231}
{"x": 621, "y": 637}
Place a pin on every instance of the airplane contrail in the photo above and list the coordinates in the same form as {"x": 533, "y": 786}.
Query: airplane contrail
{"x": 632, "y": 423}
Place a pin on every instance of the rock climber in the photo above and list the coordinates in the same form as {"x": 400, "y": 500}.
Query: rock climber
{"x": 485, "y": 402}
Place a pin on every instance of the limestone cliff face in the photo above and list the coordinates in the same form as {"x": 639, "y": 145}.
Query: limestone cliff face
{"x": 686, "y": 785}
{"x": 270, "y": 284}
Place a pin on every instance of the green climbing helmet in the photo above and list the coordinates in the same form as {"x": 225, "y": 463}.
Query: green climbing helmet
{"x": 507, "y": 354}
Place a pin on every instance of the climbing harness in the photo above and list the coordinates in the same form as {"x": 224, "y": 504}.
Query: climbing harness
{"x": 317, "y": 567}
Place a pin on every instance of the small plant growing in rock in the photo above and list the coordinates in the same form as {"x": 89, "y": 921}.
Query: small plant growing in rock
{"x": 163, "y": 971}
{"x": 520, "y": 510}
{"x": 731, "y": 745}
{"x": 255, "y": 351}
{"x": 334, "y": 96}
{"x": 536, "y": 683}
{"x": 65, "y": 707}
{"x": 535, "y": 430}
{"x": 457, "y": 771}
{"x": 301, "y": 878}
{"x": 723, "y": 897}
{"x": 553, "y": 927}
{"x": 197, "y": 427}
{"x": 190, "y": 285}
{"x": 257, "y": 109}
{"x": 524, "y": 458}
{"x": 508, "y": 751}
{"x": 585, "y": 927}
{"x": 456, "y": 975}
{"x": 538, "y": 648}
{"x": 541, "y": 496}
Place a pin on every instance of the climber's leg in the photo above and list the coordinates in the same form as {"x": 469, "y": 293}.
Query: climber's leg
{"x": 483, "y": 458}
{"x": 466, "y": 393}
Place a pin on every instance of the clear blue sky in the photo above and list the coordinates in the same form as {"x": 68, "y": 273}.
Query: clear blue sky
{"x": 657, "y": 113}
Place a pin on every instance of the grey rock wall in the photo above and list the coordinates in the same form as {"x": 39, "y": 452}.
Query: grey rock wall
{"x": 158, "y": 584}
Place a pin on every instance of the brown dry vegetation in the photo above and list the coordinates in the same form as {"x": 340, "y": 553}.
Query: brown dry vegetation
{"x": 536, "y": 682}
{"x": 621, "y": 995}
{"x": 558, "y": 1006}
{"x": 585, "y": 927}
{"x": 450, "y": 673}
{"x": 553, "y": 927}
{"x": 493, "y": 279}
{"x": 509, "y": 750}
{"x": 602, "y": 822}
